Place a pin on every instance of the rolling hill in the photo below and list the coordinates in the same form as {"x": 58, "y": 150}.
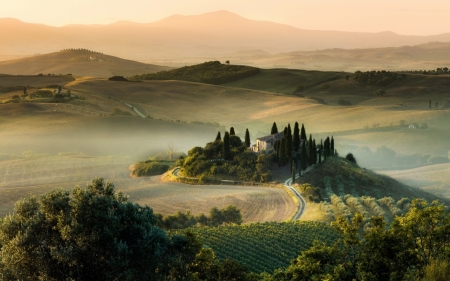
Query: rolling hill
{"x": 79, "y": 63}
{"x": 179, "y": 38}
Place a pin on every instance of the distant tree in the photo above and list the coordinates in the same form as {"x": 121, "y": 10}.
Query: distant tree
{"x": 347, "y": 77}
{"x": 303, "y": 157}
{"x": 293, "y": 172}
{"x": 445, "y": 69}
{"x": 315, "y": 152}
{"x": 24, "y": 91}
{"x": 232, "y": 133}
{"x": 303, "y": 133}
{"x": 310, "y": 151}
{"x": 232, "y": 215}
{"x": 227, "y": 62}
{"x": 218, "y": 137}
{"x": 332, "y": 146}
{"x": 351, "y": 158}
{"x": 226, "y": 150}
{"x": 274, "y": 129}
{"x": 296, "y": 141}
{"x": 247, "y": 138}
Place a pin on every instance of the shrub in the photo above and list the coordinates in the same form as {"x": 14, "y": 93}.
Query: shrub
{"x": 379, "y": 92}
{"x": 351, "y": 158}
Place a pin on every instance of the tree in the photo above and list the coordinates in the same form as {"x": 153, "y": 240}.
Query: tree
{"x": 315, "y": 152}
{"x": 231, "y": 214}
{"x": 247, "y": 138}
{"x": 332, "y": 146}
{"x": 72, "y": 235}
{"x": 226, "y": 150}
{"x": 303, "y": 157}
{"x": 293, "y": 172}
{"x": 351, "y": 158}
{"x": 347, "y": 77}
{"x": 232, "y": 133}
{"x": 227, "y": 62}
{"x": 218, "y": 137}
{"x": 274, "y": 129}
{"x": 303, "y": 133}
{"x": 310, "y": 151}
{"x": 296, "y": 141}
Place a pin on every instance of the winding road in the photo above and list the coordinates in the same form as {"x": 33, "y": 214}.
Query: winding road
{"x": 288, "y": 185}
{"x": 301, "y": 200}
{"x": 135, "y": 110}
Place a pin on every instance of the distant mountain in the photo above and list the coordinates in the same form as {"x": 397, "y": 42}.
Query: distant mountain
{"x": 79, "y": 63}
{"x": 179, "y": 37}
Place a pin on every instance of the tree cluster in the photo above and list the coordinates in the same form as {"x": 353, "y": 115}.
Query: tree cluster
{"x": 118, "y": 78}
{"x": 81, "y": 50}
{"x": 228, "y": 158}
{"x": 379, "y": 78}
{"x": 414, "y": 247}
{"x": 212, "y": 72}
{"x": 94, "y": 233}
{"x": 299, "y": 151}
{"x": 229, "y": 215}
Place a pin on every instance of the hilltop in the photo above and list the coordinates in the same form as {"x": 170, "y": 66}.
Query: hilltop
{"x": 178, "y": 37}
{"x": 79, "y": 62}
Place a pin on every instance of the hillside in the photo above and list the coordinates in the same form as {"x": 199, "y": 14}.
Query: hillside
{"x": 264, "y": 247}
{"x": 178, "y": 37}
{"x": 345, "y": 189}
{"x": 212, "y": 72}
{"x": 78, "y": 63}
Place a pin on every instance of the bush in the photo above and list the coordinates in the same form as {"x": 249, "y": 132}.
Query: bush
{"x": 150, "y": 168}
{"x": 117, "y": 78}
{"x": 379, "y": 92}
{"x": 351, "y": 158}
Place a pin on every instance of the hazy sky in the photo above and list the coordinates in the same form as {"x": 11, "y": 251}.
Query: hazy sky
{"x": 410, "y": 17}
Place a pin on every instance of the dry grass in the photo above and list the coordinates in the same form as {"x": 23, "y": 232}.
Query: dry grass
{"x": 37, "y": 174}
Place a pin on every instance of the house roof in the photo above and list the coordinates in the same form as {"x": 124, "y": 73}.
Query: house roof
{"x": 272, "y": 138}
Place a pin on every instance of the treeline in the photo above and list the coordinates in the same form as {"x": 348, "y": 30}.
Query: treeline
{"x": 437, "y": 71}
{"x": 81, "y": 50}
{"x": 229, "y": 215}
{"x": 212, "y": 72}
{"x": 379, "y": 78}
{"x": 228, "y": 158}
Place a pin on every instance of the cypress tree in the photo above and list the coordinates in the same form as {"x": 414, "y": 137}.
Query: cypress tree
{"x": 320, "y": 151}
{"x": 303, "y": 133}
{"x": 274, "y": 129}
{"x": 247, "y": 138}
{"x": 285, "y": 131}
{"x": 289, "y": 143}
{"x": 310, "y": 151}
{"x": 218, "y": 137}
{"x": 293, "y": 172}
{"x": 332, "y": 146}
{"x": 226, "y": 146}
{"x": 283, "y": 153}
{"x": 232, "y": 133}
{"x": 303, "y": 156}
{"x": 296, "y": 141}
{"x": 314, "y": 152}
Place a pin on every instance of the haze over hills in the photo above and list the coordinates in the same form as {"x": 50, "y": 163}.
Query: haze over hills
{"x": 77, "y": 62}
{"x": 183, "y": 38}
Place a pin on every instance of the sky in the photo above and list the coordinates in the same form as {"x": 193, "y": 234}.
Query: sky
{"x": 407, "y": 17}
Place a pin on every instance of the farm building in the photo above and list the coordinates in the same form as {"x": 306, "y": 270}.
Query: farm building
{"x": 266, "y": 143}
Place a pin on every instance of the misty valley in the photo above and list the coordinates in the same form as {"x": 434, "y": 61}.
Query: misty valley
{"x": 269, "y": 160}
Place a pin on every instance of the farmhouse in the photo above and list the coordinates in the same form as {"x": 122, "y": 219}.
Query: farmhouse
{"x": 266, "y": 143}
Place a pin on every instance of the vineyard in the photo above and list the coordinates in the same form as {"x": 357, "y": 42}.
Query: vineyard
{"x": 264, "y": 247}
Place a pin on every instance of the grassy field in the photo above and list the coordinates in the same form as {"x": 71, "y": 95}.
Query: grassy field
{"x": 433, "y": 178}
{"x": 285, "y": 81}
{"x": 34, "y": 173}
